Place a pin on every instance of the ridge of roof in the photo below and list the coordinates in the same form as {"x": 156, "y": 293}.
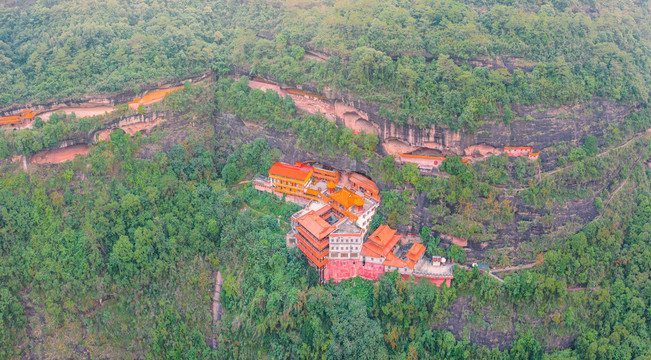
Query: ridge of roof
{"x": 315, "y": 224}
{"x": 415, "y": 252}
{"x": 393, "y": 260}
{"x": 298, "y": 172}
{"x": 346, "y": 198}
{"x": 382, "y": 235}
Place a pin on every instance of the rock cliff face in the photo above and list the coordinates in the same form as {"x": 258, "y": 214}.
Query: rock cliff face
{"x": 510, "y": 63}
{"x": 94, "y": 101}
{"x": 537, "y": 126}
{"x": 130, "y": 124}
{"x": 545, "y": 127}
{"x": 233, "y": 128}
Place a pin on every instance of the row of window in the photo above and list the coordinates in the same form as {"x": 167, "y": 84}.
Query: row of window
{"x": 344, "y": 255}
{"x": 345, "y": 240}
{"x": 290, "y": 183}
{"x": 344, "y": 248}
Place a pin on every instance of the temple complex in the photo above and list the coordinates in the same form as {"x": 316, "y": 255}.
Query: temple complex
{"x": 331, "y": 229}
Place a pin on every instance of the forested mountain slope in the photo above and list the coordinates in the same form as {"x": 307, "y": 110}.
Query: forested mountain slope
{"x": 115, "y": 254}
{"x": 400, "y": 53}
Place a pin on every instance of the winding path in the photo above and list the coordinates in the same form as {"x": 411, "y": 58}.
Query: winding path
{"x": 639, "y": 135}
{"x": 518, "y": 267}
{"x": 510, "y": 268}
{"x": 495, "y": 277}
{"x": 630, "y": 171}
{"x": 217, "y": 310}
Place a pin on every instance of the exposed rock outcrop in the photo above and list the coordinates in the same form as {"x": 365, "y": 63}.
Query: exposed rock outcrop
{"x": 231, "y": 127}
{"x": 130, "y": 124}
{"x": 108, "y": 100}
{"x": 536, "y": 126}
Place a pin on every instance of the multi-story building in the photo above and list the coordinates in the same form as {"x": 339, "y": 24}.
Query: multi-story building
{"x": 352, "y": 205}
{"x": 363, "y": 184}
{"x": 382, "y": 253}
{"x": 326, "y": 175}
{"x": 346, "y": 241}
{"x": 293, "y": 180}
{"x": 312, "y": 235}
{"x": 379, "y": 244}
{"x": 322, "y": 233}
{"x": 330, "y": 230}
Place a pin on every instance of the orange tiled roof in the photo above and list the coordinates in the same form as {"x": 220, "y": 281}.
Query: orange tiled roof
{"x": 368, "y": 251}
{"x": 315, "y": 225}
{"x": 382, "y": 235}
{"x": 364, "y": 181}
{"x": 312, "y": 192}
{"x": 310, "y": 256}
{"x": 323, "y": 211}
{"x": 381, "y": 242}
{"x": 534, "y": 154}
{"x": 325, "y": 172}
{"x": 346, "y": 198}
{"x": 297, "y": 172}
{"x": 394, "y": 261}
{"x": 417, "y": 250}
{"x": 10, "y": 118}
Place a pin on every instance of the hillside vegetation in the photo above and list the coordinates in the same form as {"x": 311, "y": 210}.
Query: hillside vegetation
{"x": 407, "y": 55}
{"x": 115, "y": 254}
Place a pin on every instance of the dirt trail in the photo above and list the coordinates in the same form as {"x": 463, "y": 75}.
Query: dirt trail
{"x": 639, "y": 135}
{"x": 495, "y": 277}
{"x": 80, "y": 112}
{"x": 58, "y": 156}
{"x": 308, "y": 102}
{"x": 217, "y": 310}
{"x": 620, "y": 186}
{"x": 512, "y": 268}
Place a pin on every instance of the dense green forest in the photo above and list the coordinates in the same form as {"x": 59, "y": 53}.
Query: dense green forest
{"x": 116, "y": 254}
{"x": 399, "y": 53}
